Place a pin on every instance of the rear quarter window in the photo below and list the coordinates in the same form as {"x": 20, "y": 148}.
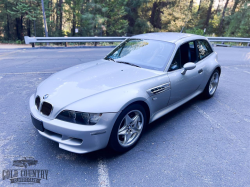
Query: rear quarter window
{"x": 204, "y": 49}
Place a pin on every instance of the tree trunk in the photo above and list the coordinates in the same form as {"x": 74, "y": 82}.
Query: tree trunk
{"x": 155, "y": 18}
{"x": 18, "y": 29}
{"x": 217, "y": 9}
{"x": 61, "y": 16}
{"x": 222, "y": 18}
{"x": 209, "y": 13}
{"x": 81, "y": 23}
{"x": 21, "y": 26}
{"x": 74, "y": 18}
{"x": 131, "y": 19}
{"x": 50, "y": 17}
{"x": 57, "y": 9}
{"x": 152, "y": 17}
{"x": 28, "y": 28}
{"x": 191, "y": 5}
{"x": 199, "y": 6}
{"x": 235, "y": 6}
{"x": 8, "y": 23}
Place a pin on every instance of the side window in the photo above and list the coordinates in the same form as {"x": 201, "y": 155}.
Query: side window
{"x": 188, "y": 53}
{"x": 176, "y": 62}
{"x": 191, "y": 45}
{"x": 192, "y": 50}
{"x": 204, "y": 49}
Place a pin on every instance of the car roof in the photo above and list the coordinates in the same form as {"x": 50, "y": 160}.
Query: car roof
{"x": 172, "y": 37}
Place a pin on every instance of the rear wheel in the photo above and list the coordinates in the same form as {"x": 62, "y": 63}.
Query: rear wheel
{"x": 128, "y": 128}
{"x": 211, "y": 85}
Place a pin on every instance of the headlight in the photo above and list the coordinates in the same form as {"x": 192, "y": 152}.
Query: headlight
{"x": 79, "y": 117}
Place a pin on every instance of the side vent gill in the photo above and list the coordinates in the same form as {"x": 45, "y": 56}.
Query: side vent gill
{"x": 158, "y": 89}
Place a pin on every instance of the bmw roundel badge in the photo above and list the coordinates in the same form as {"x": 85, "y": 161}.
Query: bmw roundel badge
{"x": 46, "y": 96}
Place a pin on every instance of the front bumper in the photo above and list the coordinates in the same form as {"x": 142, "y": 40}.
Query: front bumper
{"x": 74, "y": 137}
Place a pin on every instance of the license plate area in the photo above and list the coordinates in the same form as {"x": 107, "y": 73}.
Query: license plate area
{"x": 38, "y": 124}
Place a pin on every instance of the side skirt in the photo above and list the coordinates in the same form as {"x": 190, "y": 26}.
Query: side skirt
{"x": 168, "y": 109}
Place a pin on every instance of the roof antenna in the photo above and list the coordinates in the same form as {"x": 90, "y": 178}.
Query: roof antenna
{"x": 183, "y": 27}
{"x": 185, "y": 23}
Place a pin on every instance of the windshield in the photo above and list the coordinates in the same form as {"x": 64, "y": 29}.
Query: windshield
{"x": 150, "y": 54}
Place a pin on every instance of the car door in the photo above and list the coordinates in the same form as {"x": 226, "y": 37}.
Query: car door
{"x": 185, "y": 85}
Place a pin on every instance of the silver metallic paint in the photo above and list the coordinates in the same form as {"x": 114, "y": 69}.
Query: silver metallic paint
{"x": 107, "y": 87}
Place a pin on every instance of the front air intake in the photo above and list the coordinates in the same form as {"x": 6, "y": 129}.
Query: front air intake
{"x": 46, "y": 108}
{"x": 37, "y": 102}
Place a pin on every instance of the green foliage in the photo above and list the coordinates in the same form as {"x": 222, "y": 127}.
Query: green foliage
{"x": 24, "y": 9}
{"x": 195, "y": 31}
{"x": 20, "y": 18}
{"x": 240, "y": 23}
{"x": 19, "y": 42}
{"x": 115, "y": 25}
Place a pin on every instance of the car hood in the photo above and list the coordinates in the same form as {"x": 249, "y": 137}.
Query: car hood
{"x": 81, "y": 81}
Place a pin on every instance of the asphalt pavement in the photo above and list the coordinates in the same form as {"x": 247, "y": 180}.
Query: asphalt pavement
{"x": 202, "y": 143}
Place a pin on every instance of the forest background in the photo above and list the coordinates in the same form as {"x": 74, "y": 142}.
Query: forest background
{"x": 19, "y": 18}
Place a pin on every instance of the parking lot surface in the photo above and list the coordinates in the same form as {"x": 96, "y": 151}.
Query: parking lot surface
{"x": 202, "y": 143}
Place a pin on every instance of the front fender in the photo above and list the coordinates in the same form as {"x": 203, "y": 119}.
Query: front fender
{"x": 116, "y": 99}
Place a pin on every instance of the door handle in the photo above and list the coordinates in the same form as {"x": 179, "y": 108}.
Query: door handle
{"x": 200, "y": 71}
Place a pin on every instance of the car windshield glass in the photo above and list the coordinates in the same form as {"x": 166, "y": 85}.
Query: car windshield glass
{"x": 150, "y": 54}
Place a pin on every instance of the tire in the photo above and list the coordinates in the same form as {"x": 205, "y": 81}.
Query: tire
{"x": 212, "y": 85}
{"x": 128, "y": 128}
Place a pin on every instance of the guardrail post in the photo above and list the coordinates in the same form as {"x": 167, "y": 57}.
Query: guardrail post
{"x": 95, "y": 44}
{"x": 248, "y": 44}
{"x": 66, "y": 44}
{"x": 33, "y": 44}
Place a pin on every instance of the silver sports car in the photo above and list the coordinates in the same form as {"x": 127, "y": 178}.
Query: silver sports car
{"x": 108, "y": 102}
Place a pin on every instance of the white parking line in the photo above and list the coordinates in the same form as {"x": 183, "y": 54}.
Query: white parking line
{"x": 246, "y": 72}
{"x": 103, "y": 175}
{"x": 232, "y": 110}
{"x": 215, "y": 124}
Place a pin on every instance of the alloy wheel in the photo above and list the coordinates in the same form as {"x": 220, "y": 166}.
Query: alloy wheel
{"x": 130, "y": 128}
{"x": 213, "y": 83}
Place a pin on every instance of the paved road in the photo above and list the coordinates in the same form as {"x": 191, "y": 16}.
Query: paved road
{"x": 203, "y": 143}
{"x": 14, "y": 46}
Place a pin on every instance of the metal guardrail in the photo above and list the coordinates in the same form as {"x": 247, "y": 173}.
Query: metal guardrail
{"x": 33, "y": 40}
{"x": 229, "y": 39}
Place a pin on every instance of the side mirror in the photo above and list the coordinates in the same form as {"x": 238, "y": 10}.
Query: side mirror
{"x": 188, "y": 66}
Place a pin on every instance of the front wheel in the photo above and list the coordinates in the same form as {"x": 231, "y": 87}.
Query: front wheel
{"x": 128, "y": 128}
{"x": 211, "y": 85}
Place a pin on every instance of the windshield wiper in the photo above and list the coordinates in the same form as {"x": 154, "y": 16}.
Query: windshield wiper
{"x": 110, "y": 58}
{"x": 128, "y": 63}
